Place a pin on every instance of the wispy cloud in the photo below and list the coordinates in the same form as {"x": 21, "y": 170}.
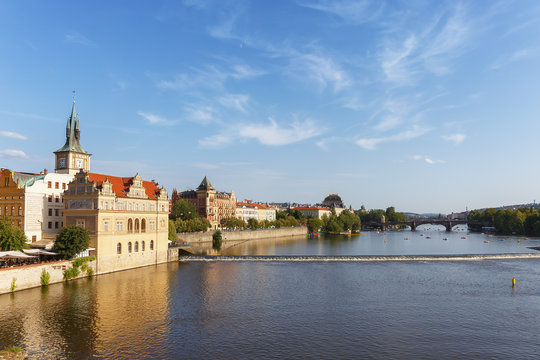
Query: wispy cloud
{"x": 352, "y": 11}
{"x": 235, "y": 101}
{"x": 245, "y": 71}
{"x": 74, "y": 37}
{"x": 372, "y": 143}
{"x": 202, "y": 114}
{"x": 431, "y": 48}
{"x": 388, "y": 123}
{"x": 455, "y": 138}
{"x": 208, "y": 77}
{"x": 15, "y": 154}
{"x": 13, "y": 135}
{"x": 270, "y": 134}
{"x": 321, "y": 70}
{"x": 426, "y": 159}
{"x": 154, "y": 119}
{"x": 518, "y": 55}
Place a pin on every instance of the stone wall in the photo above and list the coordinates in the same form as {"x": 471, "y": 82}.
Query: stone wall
{"x": 244, "y": 235}
{"x": 29, "y": 276}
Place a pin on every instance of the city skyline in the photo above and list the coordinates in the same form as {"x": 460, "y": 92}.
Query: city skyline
{"x": 429, "y": 107}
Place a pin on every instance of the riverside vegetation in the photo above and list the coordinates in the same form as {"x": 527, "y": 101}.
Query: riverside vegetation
{"x": 522, "y": 221}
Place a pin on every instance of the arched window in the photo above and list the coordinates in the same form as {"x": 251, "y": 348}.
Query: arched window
{"x": 142, "y": 207}
{"x": 13, "y": 211}
{"x": 129, "y": 246}
{"x": 20, "y": 211}
{"x": 136, "y": 207}
{"x": 130, "y": 225}
{"x": 142, "y": 246}
{"x": 143, "y": 225}
{"x": 136, "y": 246}
{"x": 118, "y": 248}
{"x": 136, "y": 225}
{"x": 151, "y": 244}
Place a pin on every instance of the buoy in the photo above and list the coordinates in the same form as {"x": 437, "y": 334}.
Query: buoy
{"x": 513, "y": 282}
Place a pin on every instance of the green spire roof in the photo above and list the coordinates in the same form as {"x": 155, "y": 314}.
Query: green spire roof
{"x": 73, "y": 134}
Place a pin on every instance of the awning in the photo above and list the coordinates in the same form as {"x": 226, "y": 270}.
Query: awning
{"x": 38, "y": 252}
{"x": 14, "y": 255}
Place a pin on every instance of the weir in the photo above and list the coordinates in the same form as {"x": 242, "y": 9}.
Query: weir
{"x": 354, "y": 258}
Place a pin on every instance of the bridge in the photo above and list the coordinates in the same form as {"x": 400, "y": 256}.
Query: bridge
{"x": 413, "y": 224}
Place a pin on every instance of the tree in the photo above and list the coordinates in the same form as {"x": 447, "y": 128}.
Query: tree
{"x": 184, "y": 210}
{"x": 232, "y": 223}
{"x": 172, "y": 231}
{"x": 175, "y": 196}
{"x": 71, "y": 240}
{"x": 216, "y": 240}
{"x": 314, "y": 224}
{"x": 253, "y": 223}
{"x": 11, "y": 237}
{"x": 349, "y": 220}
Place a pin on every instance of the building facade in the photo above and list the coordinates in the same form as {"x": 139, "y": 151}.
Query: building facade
{"x": 249, "y": 210}
{"x": 211, "y": 204}
{"x": 313, "y": 211}
{"x": 127, "y": 218}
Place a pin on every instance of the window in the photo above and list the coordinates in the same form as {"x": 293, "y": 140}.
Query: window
{"x": 50, "y": 198}
{"x": 55, "y": 212}
{"x": 143, "y": 225}
{"x": 57, "y": 185}
{"x": 49, "y": 184}
{"x": 129, "y": 246}
{"x": 136, "y": 246}
{"x": 80, "y": 222}
{"x": 13, "y": 211}
{"x": 34, "y": 238}
{"x": 136, "y": 225}
{"x": 57, "y": 199}
{"x": 50, "y": 212}
{"x": 63, "y": 186}
{"x": 152, "y": 225}
{"x": 142, "y": 207}
{"x": 106, "y": 226}
{"x": 20, "y": 211}
{"x": 118, "y": 248}
{"x": 142, "y": 246}
{"x": 130, "y": 225}
{"x": 56, "y": 224}
{"x": 106, "y": 205}
{"x": 50, "y": 225}
{"x": 151, "y": 244}
{"x": 119, "y": 226}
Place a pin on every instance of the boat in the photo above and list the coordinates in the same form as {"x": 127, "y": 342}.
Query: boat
{"x": 428, "y": 237}
{"x": 406, "y": 238}
{"x": 445, "y": 239}
{"x": 526, "y": 239}
{"x": 486, "y": 241}
{"x": 463, "y": 237}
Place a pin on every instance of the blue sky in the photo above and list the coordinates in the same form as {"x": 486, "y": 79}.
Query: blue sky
{"x": 428, "y": 106}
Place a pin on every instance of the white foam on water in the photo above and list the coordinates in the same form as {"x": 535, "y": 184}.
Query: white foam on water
{"x": 355, "y": 258}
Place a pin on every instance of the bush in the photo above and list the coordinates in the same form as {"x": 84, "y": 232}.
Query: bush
{"x": 13, "y": 285}
{"x": 11, "y": 237}
{"x": 71, "y": 273}
{"x": 71, "y": 240}
{"x": 216, "y": 240}
{"x": 45, "y": 278}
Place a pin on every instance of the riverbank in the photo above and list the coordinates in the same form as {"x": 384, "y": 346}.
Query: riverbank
{"x": 30, "y": 276}
{"x": 244, "y": 235}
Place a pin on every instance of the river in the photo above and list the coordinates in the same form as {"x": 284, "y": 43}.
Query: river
{"x": 415, "y": 309}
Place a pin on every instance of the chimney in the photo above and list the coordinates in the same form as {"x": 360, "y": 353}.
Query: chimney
{"x": 45, "y": 171}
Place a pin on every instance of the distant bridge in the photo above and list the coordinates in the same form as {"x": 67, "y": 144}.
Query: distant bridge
{"x": 413, "y": 224}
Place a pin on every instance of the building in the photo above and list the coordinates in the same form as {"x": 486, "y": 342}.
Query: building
{"x": 250, "y": 210}
{"x": 35, "y": 201}
{"x": 313, "y": 211}
{"x": 333, "y": 200}
{"x": 127, "y": 218}
{"x": 211, "y": 204}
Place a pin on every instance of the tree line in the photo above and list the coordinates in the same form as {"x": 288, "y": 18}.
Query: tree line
{"x": 522, "y": 221}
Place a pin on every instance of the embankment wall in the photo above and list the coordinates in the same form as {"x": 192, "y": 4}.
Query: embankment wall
{"x": 244, "y": 235}
{"x": 29, "y": 276}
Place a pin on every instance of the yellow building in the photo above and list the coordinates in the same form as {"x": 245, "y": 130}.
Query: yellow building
{"x": 127, "y": 219}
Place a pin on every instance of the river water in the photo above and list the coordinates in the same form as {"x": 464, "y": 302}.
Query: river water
{"x": 416, "y": 309}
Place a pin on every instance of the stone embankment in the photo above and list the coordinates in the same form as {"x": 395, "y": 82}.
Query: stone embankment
{"x": 29, "y": 276}
{"x": 244, "y": 235}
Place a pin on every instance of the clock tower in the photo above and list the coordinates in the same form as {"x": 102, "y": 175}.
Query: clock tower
{"x": 71, "y": 157}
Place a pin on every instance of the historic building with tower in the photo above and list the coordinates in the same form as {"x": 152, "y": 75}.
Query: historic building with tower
{"x": 211, "y": 204}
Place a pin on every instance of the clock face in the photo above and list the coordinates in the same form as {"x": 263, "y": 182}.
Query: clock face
{"x": 62, "y": 163}
{"x": 78, "y": 163}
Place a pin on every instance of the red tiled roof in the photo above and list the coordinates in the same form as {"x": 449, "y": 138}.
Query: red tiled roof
{"x": 120, "y": 185}
{"x": 310, "y": 208}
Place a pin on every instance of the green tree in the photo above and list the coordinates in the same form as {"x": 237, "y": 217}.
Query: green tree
{"x": 232, "y": 223}
{"x": 314, "y": 224}
{"x": 184, "y": 210}
{"x": 253, "y": 223}
{"x": 216, "y": 240}
{"x": 71, "y": 240}
{"x": 349, "y": 220}
{"x": 172, "y": 231}
{"x": 11, "y": 237}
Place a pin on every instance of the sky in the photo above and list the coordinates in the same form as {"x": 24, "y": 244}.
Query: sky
{"x": 428, "y": 106}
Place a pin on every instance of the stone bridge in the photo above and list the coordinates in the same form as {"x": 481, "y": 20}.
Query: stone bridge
{"x": 448, "y": 224}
